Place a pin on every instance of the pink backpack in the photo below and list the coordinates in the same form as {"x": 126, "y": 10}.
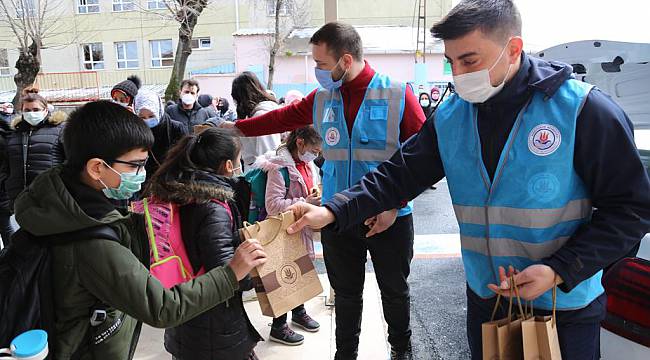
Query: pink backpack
{"x": 169, "y": 261}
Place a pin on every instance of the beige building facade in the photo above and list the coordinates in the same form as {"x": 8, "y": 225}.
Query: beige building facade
{"x": 115, "y": 38}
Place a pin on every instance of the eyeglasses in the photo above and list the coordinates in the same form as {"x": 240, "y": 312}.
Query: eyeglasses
{"x": 138, "y": 165}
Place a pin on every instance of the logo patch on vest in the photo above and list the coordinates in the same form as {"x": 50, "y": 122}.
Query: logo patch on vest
{"x": 543, "y": 187}
{"x": 332, "y": 136}
{"x": 544, "y": 140}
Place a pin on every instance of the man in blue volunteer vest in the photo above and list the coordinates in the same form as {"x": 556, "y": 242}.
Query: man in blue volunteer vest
{"x": 543, "y": 173}
{"x": 363, "y": 117}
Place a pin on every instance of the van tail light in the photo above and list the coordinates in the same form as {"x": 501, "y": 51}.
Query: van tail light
{"x": 627, "y": 285}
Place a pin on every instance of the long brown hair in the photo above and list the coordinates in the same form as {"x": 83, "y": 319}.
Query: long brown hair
{"x": 248, "y": 91}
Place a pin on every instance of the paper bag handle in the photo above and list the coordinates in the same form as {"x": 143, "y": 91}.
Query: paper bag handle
{"x": 513, "y": 288}
{"x": 554, "y": 300}
{"x": 257, "y": 223}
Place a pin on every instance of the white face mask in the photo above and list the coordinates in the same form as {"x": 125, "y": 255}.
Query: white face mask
{"x": 188, "y": 99}
{"x": 476, "y": 87}
{"x": 34, "y": 117}
{"x": 307, "y": 157}
{"x": 425, "y": 103}
{"x": 120, "y": 103}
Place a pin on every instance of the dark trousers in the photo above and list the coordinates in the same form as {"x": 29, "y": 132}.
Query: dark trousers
{"x": 6, "y": 229}
{"x": 281, "y": 320}
{"x": 345, "y": 258}
{"x": 578, "y": 330}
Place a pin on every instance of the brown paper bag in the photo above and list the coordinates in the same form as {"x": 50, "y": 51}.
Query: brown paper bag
{"x": 540, "y": 336}
{"x": 502, "y": 338}
{"x": 288, "y": 278}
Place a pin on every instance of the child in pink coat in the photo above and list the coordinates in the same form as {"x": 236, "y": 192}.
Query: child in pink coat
{"x": 297, "y": 156}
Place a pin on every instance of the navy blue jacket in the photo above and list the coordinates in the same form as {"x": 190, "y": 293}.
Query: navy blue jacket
{"x": 605, "y": 158}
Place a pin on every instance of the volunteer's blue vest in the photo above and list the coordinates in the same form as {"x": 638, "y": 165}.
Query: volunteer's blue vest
{"x": 375, "y": 135}
{"x": 536, "y": 201}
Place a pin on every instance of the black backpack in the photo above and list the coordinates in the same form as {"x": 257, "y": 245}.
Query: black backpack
{"x": 26, "y": 294}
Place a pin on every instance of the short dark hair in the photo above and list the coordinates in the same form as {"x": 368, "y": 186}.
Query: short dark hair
{"x": 103, "y": 130}
{"x": 498, "y": 19}
{"x": 248, "y": 92}
{"x": 190, "y": 82}
{"x": 340, "y": 39}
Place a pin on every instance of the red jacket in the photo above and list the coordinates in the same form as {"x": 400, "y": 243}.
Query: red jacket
{"x": 300, "y": 114}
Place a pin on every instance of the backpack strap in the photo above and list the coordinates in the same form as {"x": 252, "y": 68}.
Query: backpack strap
{"x": 285, "y": 175}
{"x": 225, "y": 205}
{"x": 104, "y": 232}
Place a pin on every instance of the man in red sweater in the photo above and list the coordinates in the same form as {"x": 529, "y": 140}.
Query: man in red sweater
{"x": 363, "y": 118}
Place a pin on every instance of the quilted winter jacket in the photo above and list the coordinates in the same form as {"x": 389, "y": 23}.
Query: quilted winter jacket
{"x": 31, "y": 150}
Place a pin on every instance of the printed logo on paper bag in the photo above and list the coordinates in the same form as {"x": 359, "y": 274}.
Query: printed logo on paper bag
{"x": 544, "y": 140}
{"x": 288, "y": 274}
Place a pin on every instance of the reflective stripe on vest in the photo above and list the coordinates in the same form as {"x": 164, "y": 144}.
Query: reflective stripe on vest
{"x": 526, "y": 218}
{"x": 535, "y": 201}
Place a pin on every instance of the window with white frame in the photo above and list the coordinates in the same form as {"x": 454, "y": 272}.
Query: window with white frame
{"x": 93, "y": 56}
{"x": 4, "y": 63}
{"x": 25, "y": 8}
{"x": 202, "y": 43}
{"x": 285, "y": 7}
{"x": 88, "y": 6}
{"x": 162, "y": 53}
{"x": 123, "y": 5}
{"x": 127, "y": 55}
{"x": 156, "y": 4}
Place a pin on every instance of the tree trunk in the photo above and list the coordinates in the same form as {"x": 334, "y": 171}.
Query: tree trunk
{"x": 183, "y": 52}
{"x": 188, "y": 21}
{"x": 276, "y": 44}
{"x": 28, "y": 66}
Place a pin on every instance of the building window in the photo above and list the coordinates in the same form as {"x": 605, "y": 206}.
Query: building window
{"x": 25, "y": 8}
{"x": 162, "y": 53}
{"x": 203, "y": 43}
{"x": 93, "y": 56}
{"x": 156, "y": 4}
{"x": 127, "y": 55}
{"x": 88, "y": 6}
{"x": 284, "y": 8}
{"x": 4, "y": 63}
{"x": 123, "y": 5}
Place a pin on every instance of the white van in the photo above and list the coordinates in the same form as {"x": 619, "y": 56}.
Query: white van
{"x": 623, "y": 71}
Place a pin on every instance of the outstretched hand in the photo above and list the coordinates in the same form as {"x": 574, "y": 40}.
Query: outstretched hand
{"x": 315, "y": 217}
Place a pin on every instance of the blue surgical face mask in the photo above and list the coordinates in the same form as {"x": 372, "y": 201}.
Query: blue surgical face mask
{"x": 325, "y": 80}
{"x": 152, "y": 122}
{"x": 34, "y": 117}
{"x": 130, "y": 183}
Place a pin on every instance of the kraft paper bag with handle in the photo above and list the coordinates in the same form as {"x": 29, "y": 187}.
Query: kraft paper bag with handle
{"x": 502, "y": 338}
{"x": 288, "y": 278}
{"x": 540, "y": 336}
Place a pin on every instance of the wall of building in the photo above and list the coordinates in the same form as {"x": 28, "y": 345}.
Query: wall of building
{"x": 297, "y": 72}
{"x": 62, "y": 52}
